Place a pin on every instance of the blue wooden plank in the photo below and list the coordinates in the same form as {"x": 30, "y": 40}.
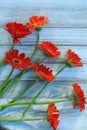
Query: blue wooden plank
{"x": 62, "y": 18}
{"x": 60, "y": 36}
{"x": 60, "y": 13}
{"x": 67, "y": 29}
{"x": 74, "y": 73}
{"x": 27, "y": 49}
{"x": 62, "y": 89}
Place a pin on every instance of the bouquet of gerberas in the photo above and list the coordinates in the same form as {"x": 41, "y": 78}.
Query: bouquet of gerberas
{"x": 25, "y": 64}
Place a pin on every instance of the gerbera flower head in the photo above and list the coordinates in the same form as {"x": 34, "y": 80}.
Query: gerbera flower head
{"x": 16, "y": 60}
{"x": 79, "y": 99}
{"x": 53, "y": 115}
{"x": 50, "y": 49}
{"x": 17, "y": 31}
{"x": 43, "y": 72}
{"x": 73, "y": 60}
{"x": 37, "y": 22}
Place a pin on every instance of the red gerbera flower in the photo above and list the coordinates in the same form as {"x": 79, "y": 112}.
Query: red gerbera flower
{"x": 17, "y": 30}
{"x": 73, "y": 60}
{"x": 78, "y": 97}
{"x": 50, "y": 49}
{"x": 53, "y": 115}
{"x": 17, "y": 60}
{"x": 43, "y": 72}
{"x": 38, "y": 22}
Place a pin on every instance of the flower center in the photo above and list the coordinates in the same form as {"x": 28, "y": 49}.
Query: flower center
{"x": 16, "y": 61}
{"x": 42, "y": 74}
{"x": 55, "y": 113}
{"x": 50, "y": 52}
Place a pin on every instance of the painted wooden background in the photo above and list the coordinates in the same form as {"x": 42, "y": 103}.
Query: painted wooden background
{"x": 67, "y": 29}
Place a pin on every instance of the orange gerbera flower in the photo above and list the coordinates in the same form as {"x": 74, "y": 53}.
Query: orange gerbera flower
{"x": 78, "y": 97}
{"x": 37, "y": 22}
{"x": 17, "y": 30}
{"x": 53, "y": 115}
{"x": 73, "y": 60}
{"x": 43, "y": 72}
{"x": 50, "y": 49}
{"x": 17, "y": 60}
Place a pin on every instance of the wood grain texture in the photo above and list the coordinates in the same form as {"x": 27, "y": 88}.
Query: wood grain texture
{"x": 62, "y": 89}
{"x": 27, "y": 49}
{"x": 67, "y": 29}
{"x": 68, "y": 74}
{"x": 60, "y": 36}
{"x": 60, "y": 13}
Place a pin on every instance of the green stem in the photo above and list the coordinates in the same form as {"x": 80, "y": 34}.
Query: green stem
{"x": 21, "y": 119}
{"x": 1, "y": 63}
{"x": 33, "y": 100}
{"x": 22, "y": 92}
{"x": 41, "y": 60}
{"x": 36, "y": 46}
{"x": 60, "y": 71}
{"x": 4, "y": 83}
{"x": 19, "y": 79}
{"x": 16, "y": 84}
{"x": 18, "y": 96}
{"x": 36, "y": 103}
{"x": 17, "y": 76}
{"x": 13, "y": 80}
{"x": 38, "y": 94}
